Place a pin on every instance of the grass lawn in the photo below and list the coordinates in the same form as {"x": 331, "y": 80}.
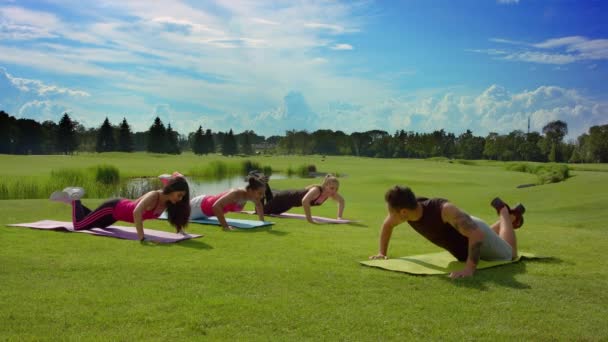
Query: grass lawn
{"x": 297, "y": 281}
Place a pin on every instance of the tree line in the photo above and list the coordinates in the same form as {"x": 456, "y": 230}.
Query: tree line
{"x": 27, "y": 136}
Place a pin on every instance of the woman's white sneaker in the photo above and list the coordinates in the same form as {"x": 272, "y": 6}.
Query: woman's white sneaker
{"x": 75, "y": 193}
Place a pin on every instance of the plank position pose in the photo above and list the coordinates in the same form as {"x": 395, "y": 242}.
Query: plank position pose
{"x": 233, "y": 200}
{"x": 466, "y": 237}
{"x": 174, "y": 197}
{"x": 313, "y": 195}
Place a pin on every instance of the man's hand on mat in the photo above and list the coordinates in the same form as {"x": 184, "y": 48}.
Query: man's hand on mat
{"x": 462, "y": 274}
{"x": 378, "y": 256}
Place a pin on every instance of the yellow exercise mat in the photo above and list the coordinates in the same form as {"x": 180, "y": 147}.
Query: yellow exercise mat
{"x": 436, "y": 263}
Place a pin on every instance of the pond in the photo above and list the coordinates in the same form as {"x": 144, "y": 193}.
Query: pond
{"x": 136, "y": 187}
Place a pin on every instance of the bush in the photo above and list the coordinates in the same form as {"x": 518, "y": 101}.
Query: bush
{"x": 248, "y": 166}
{"x": 107, "y": 174}
{"x": 68, "y": 177}
{"x": 547, "y": 173}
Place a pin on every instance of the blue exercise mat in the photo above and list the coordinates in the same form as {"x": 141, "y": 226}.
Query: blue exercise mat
{"x": 242, "y": 224}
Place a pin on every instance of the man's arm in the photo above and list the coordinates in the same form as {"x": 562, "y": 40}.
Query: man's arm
{"x": 385, "y": 237}
{"x": 467, "y": 227}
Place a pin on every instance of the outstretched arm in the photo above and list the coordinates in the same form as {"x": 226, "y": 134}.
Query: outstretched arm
{"x": 259, "y": 209}
{"x": 148, "y": 201}
{"x": 309, "y": 197}
{"x": 385, "y": 237}
{"x": 340, "y": 201}
{"x": 467, "y": 227}
{"x": 218, "y": 207}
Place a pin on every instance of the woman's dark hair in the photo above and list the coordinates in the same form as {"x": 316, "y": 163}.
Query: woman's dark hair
{"x": 401, "y": 197}
{"x": 178, "y": 214}
{"x": 265, "y": 179}
{"x": 254, "y": 183}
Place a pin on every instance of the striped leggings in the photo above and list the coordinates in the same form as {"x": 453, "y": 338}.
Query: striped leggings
{"x": 84, "y": 218}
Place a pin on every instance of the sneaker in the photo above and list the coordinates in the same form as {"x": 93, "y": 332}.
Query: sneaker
{"x": 164, "y": 178}
{"x": 518, "y": 211}
{"x": 183, "y": 233}
{"x": 60, "y": 196}
{"x": 498, "y": 204}
{"x": 75, "y": 193}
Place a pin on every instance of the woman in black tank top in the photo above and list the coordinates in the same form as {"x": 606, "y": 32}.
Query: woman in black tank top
{"x": 313, "y": 195}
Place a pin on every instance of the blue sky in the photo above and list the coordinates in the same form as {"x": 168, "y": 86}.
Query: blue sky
{"x": 484, "y": 65}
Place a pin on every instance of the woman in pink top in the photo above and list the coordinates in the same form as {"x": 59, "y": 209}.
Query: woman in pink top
{"x": 229, "y": 201}
{"x": 174, "y": 197}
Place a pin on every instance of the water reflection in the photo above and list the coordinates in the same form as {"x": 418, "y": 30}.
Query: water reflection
{"x": 136, "y": 187}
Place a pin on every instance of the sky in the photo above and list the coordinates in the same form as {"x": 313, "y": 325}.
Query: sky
{"x": 272, "y": 66}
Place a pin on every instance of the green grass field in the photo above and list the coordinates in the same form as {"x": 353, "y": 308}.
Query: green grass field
{"x": 298, "y": 281}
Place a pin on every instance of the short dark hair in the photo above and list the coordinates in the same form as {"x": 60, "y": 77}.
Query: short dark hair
{"x": 401, "y": 197}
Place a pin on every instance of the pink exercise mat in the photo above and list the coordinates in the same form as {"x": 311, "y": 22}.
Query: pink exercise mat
{"x": 119, "y": 232}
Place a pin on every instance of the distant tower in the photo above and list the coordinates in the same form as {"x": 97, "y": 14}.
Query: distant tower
{"x": 528, "y": 124}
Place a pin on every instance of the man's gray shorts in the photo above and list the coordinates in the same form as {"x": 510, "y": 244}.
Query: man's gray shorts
{"x": 493, "y": 248}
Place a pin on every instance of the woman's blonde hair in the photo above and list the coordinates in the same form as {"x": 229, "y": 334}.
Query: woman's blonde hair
{"x": 329, "y": 178}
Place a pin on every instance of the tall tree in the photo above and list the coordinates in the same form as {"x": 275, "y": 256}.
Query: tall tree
{"x": 105, "y": 137}
{"x": 125, "y": 137}
{"x": 157, "y": 137}
{"x": 246, "y": 147}
{"x": 555, "y": 131}
{"x": 66, "y": 135}
{"x": 29, "y": 137}
{"x": 49, "y": 143}
{"x": 198, "y": 141}
{"x": 598, "y": 143}
{"x": 209, "y": 146}
{"x": 7, "y": 123}
{"x": 229, "y": 147}
{"x": 172, "y": 141}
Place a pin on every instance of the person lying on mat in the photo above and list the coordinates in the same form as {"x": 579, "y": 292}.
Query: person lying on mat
{"x": 466, "y": 237}
{"x": 229, "y": 201}
{"x": 174, "y": 197}
{"x": 312, "y": 195}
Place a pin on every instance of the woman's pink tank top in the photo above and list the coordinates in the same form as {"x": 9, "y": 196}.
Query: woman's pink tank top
{"x": 123, "y": 211}
{"x": 209, "y": 201}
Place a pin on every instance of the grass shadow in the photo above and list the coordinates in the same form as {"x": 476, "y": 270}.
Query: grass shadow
{"x": 357, "y": 224}
{"x": 190, "y": 243}
{"x": 266, "y": 229}
{"x": 503, "y": 275}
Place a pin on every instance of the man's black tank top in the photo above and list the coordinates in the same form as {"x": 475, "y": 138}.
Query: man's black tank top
{"x": 442, "y": 234}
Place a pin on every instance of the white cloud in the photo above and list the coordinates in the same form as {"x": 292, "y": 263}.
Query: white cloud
{"x": 559, "y": 42}
{"x": 264, "y": 21}
{"x": 42, "y": 111}
{"x": 542, "y": 58}
{"x": 22, "y": 24}
{"x": 557, "y": 51}
{"x": 494, "y": 110}
{"x": 342, "y": 47}
{"x": 328, "y": 27}
{"x": 39, "y": 87}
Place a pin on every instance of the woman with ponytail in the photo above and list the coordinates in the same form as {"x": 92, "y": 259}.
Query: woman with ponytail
{"x": 173, "y": 197}
{"x": 312, "y": 195}
{"x": 233, "y": 200}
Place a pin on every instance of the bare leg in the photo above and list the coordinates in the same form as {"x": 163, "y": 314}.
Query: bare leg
{"x": 505, "y": 230}
{"x": 496, "y": 226}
